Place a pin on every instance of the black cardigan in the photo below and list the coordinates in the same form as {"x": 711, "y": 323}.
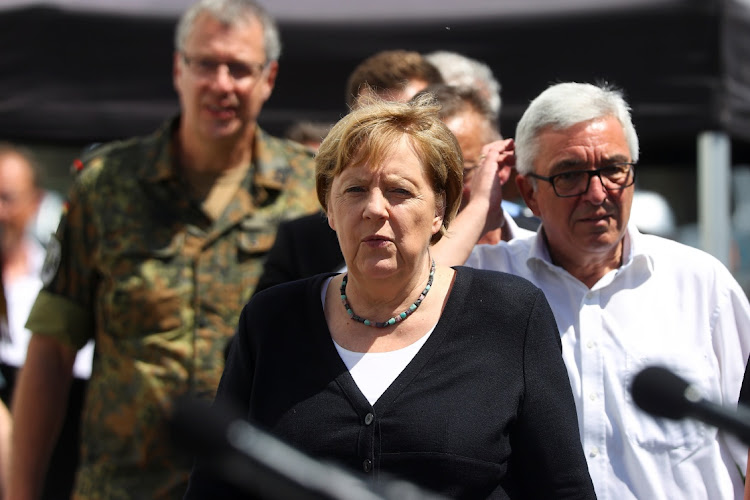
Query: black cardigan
{"x": 484, "y": 409}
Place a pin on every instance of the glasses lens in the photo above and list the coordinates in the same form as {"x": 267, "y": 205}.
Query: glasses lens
{"x": 201, "y": 66}
{"x": 571, "y": 183}
{"x": 206, "y": 67}
{"x": 616, "y": 175}
{"x": 240, "y": 71}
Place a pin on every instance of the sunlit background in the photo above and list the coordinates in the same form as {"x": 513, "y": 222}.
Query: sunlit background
{"x": 76, "y": 72}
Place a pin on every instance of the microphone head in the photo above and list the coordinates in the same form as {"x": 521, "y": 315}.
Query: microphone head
{"x": 660, "y": 392}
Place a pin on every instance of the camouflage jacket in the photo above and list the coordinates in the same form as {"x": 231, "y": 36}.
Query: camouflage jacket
{"x": 140, "y": 268}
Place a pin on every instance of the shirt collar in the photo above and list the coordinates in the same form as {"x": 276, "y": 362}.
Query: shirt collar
{"x": 159, "y": 164}
{"x": 634, "y": 251}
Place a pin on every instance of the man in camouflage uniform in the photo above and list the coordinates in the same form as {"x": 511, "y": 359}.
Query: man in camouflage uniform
{"x": 161, "y": 247}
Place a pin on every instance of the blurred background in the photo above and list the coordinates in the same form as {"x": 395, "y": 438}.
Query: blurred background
{"x": 76, "y": 72}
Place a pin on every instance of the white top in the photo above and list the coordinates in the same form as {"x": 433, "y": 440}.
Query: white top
{"x": 668, "y": 304}
{"x": 20, "y": 295}
{"x": 374, "y": 372}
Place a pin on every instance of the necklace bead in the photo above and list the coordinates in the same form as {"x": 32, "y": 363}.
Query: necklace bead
{"x": 392, "y": 321}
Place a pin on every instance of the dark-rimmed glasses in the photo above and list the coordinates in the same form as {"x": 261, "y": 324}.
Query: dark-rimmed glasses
{"x": 576, "y": 182}
{"x": 208, "y": 67}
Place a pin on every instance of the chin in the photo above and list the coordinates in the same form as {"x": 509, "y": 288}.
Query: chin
{"x": 378, "y": 269}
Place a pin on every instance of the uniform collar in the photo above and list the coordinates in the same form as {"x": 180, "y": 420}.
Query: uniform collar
{"x": 160, "y": 165}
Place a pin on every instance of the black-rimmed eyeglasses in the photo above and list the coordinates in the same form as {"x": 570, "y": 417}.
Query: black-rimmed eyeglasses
{"x": 208, "y": 67}
{"x": 576, "y": 182}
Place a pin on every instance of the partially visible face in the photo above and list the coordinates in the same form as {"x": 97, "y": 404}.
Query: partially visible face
{"x": 472, "y": 132}
{"x": 19, "y": 199}
{"x": 218, "y": 106}
{"x": 593, "y": 223}
{"x": 384, "y": 215}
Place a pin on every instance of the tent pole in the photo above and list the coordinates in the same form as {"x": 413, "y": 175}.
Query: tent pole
{"x": 714, "y": 195}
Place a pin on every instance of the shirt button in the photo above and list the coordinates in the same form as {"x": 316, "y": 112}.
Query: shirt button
{"x": 592, "y": 396}
{"x": 594, "y": 451}
{"x": 367, "y": 465}
{"x": 369, "y": 418}
{"x": 590, "y": 344}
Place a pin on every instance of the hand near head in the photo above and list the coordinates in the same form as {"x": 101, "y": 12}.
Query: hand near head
{"x": 498, "y": 158}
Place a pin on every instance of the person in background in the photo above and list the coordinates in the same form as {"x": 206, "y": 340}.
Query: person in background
{"x": 6, "y": 422}
{"x": 308, "y": 133}
{"x": 307, "y": 246}
{"x": 464, "y": 72}
{"x": 467, "y": 114}
{"x": 623, "y": 300}
{"x": 22, "y": 254}
{"x": 390, "y": 375}
{"x": 161, "y": 246}
{"x": 23, "y": 241}
{"x": 393, "y": 75}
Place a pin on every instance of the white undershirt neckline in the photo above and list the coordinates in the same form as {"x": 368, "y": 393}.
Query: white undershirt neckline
{"x": 374, "y": 372}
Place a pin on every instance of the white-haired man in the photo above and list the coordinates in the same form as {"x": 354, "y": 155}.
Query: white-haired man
{"x": 623, "y": 300}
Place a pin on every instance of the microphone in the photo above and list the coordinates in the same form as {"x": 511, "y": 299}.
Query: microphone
{"x": 662, "y": 393}
{"x": 261, "y": 464}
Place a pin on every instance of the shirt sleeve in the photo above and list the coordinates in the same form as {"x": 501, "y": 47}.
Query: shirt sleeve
{"x": 731, "y": 340}
{"x": 64, "y": 308}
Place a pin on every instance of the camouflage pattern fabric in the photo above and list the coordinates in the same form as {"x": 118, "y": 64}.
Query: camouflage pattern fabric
{"x": 160, "y": 286}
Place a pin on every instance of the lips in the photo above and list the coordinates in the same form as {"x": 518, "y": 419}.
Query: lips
{"x": 596, "y": 218}
{"x": 221, "y": 111}
{"x": 377, "y": 241}
{"x": 376, "y": 237}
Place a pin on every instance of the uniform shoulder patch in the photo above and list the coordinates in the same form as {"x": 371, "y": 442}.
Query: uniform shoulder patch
{"x": 51, "y": 260}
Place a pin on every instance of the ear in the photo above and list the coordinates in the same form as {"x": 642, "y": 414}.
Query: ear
{"x": 329, "y": 216}
{"x": 269, "y": 80}
{"x": 526, "y": 188}
{"x": 176, "y": 70}
{"x": 437, "y": 221}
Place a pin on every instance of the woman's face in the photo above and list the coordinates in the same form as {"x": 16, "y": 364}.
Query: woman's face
{"x": 384, "y": 215}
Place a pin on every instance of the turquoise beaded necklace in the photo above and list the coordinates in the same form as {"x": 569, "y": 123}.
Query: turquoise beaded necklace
{"x": 395, "y": 319}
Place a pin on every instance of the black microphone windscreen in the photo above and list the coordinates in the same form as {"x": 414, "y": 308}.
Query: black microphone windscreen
{"x": 658, "y": 391}
{"x": 198, "y": 428}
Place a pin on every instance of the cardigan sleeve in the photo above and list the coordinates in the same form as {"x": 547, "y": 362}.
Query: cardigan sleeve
{"x": 547, "y": 447}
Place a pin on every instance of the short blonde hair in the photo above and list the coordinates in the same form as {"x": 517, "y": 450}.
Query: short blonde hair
{"x": 369, "y": 133}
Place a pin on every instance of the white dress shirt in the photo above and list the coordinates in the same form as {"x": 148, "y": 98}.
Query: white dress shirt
{"x": 20, "y": 296}
{"x": 668, "y": 304}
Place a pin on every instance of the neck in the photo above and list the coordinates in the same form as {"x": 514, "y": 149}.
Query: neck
{"x": 214, "y": 157}
{"x": 590, "y": 268}
{"x": 379, "y": 300}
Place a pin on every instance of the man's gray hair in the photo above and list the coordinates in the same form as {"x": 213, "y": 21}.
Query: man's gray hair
{"x": 462, "y": 71}
{"x": 231, "y": 13}
{"x": 566, "y": 104}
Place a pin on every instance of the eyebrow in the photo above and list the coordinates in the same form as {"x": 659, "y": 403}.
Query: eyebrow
{"x": 576, "y": 163}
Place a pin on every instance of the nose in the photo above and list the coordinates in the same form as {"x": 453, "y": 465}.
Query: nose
{"x": 222, "y": 79}
{"x": 375, "y": 208}
{"x": 596, "y": 193}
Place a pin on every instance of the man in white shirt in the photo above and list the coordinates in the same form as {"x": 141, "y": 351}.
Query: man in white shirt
{"x": 22, "y": 253}
{"x": 623, "y": 300}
